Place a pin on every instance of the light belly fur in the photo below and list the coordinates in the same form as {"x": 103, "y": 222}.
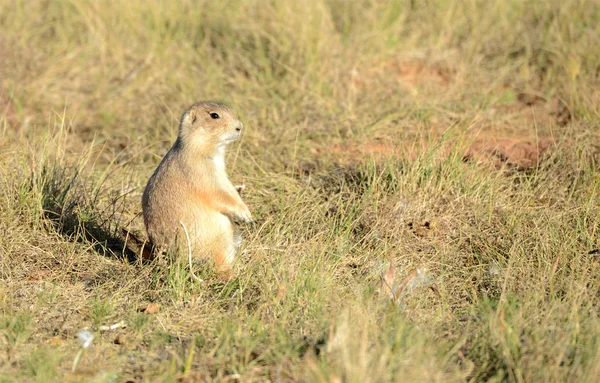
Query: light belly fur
{"x": 211, "y": 232}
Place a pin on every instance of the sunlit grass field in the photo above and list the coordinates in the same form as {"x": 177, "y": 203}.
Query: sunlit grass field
{"x": 423, "y": 173}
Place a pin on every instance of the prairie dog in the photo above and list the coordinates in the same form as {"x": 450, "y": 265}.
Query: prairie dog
{"x": 191, "y": 186}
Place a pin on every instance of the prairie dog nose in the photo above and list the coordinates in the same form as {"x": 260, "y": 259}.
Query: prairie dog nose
{"x": 239, "y": 127}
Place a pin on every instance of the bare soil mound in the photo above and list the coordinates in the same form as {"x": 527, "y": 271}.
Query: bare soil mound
{"x": 513, "y": 152}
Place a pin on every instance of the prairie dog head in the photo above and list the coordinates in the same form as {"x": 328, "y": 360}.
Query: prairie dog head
{"x": 208, "y": 127}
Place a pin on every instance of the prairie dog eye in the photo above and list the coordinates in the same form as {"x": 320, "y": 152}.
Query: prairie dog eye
{"x": 214, "y": 116}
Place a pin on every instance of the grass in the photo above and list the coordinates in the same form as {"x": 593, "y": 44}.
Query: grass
{"x": 358, "y": 117}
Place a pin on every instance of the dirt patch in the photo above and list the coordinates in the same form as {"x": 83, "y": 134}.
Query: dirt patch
{"x": 354, "y": 151}
{"x": 378, "y": 149}
{"x": 528, "y": 110}
{"x": 520, "y": 153}
{"x": 415, "y": 73}
{"x": 514, "y": 152}
{"x": 409, "y": 74}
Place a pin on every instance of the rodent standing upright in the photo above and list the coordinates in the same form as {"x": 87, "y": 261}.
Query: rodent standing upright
{"x": 190, "y": 187}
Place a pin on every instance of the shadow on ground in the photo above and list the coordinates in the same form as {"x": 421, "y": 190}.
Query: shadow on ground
{"x": 74, "y": 209}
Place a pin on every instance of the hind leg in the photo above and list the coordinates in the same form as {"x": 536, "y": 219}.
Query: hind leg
{"x": 224, "y": 252}
{"x": 222, "y": 245}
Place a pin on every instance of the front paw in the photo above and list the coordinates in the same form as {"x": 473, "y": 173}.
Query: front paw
{"x": 245, "y": 216}
{"x": 240, "y": 188}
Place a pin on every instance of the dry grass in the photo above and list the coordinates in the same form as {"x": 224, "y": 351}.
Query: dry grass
{"x": 359, "y": 117}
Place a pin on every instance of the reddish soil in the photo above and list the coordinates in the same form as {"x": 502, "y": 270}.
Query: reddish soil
{"x": 506, "y": 134}
{"x": 418, "y": 72}
{"x": 520, "y": 153}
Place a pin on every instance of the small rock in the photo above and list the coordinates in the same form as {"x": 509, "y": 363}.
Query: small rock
{"x": 494, "y": 269}
{"x": 152, "y": 308}
{"x": 120, "y": 339}
{"x": 56, "y": 341}
{"x": 423, "y": 232}
{"x": 85, "y": 337}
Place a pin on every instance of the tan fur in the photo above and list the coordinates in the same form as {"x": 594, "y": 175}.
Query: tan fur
{"x": 190, "y": 186}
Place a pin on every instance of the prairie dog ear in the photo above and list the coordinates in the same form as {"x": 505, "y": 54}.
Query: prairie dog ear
{"x": 191, "y": 116}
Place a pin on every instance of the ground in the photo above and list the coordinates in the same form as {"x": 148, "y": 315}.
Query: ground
{"x": 423, "y": 174}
